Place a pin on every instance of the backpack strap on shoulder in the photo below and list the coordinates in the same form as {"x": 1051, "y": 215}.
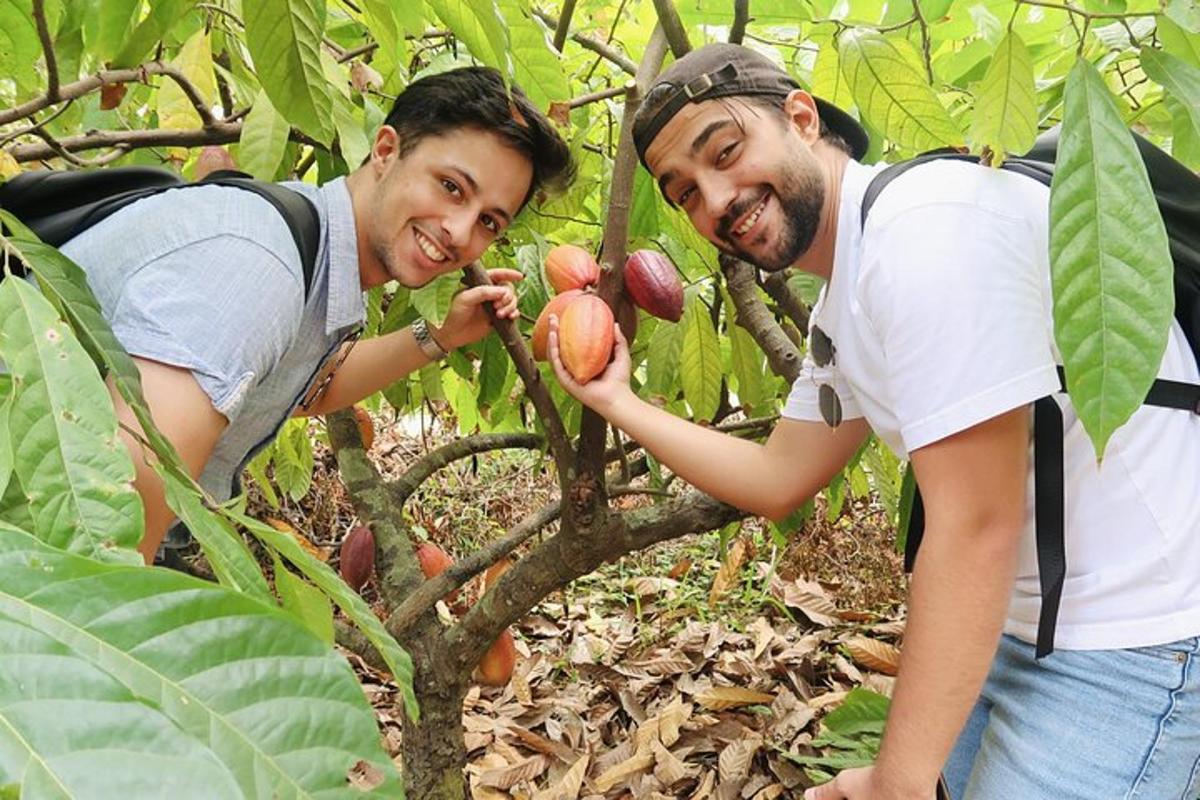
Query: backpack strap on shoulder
{"x": 1049, "y": 511}
{"x": 297, "y": 211}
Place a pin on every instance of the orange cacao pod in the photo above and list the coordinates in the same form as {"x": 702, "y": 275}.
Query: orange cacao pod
{"x": 570, "y": 267}
{"x": 212, "y": 158}
{"x": 434, "y": 562}
{"x": 111, "y": 95}
{"x": 585, "y": 337}
{"x": 653, "y": 283}
{"x": 357, "y": 557}
{"x": 366, "y": 427}
{"x": 496, "y": 667}
{"x": 495, "y": 571}
{"x": 541, "y": 328}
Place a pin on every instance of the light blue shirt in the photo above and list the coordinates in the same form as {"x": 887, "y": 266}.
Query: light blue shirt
{"x": 209, "y": 279}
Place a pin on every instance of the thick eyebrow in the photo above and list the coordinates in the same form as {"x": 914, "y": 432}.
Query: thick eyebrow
{"x": 666, "y": 178}
{"x": 697, "y": 143}
{"x": 468, "y": 179}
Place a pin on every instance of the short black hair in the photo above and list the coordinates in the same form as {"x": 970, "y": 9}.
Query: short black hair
{"x": 476, "y": 97}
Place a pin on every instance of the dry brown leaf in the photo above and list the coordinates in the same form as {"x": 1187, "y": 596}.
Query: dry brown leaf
{"x": 810, "y": 598}
{"x": 680, "y": 569}
{"x": 364, "y": 776}
{"x": 706, "y": 786}
{"x": 734, "y": 761}
{"x": 827, "y": 699}
{"x": 520, "y": 687}
{"x": 488, "y": 793}
{"x": 667, "y": 767}
{"x": 671, "y": 718}
{"x": 727, "y": 575}
{"x": 507, "y": 777}
{"x": 764, "y": 634}
{"x": 303, "y": 540}
{"x": 720, "y": 698}
{"x": 876, "y": 655}
{"x": 632, "y": 766}
{"x": 770, "y": 792}
{"x": 560, "y": 112}
{"x": 541, "y": 744}
{"x": 569, "y": 784}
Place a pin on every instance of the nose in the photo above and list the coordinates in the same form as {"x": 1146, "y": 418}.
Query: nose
{"x": 717, "y": 194}
{"x": 458, "y": 226}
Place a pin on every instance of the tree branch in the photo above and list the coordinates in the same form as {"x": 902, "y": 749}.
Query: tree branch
{"x": 792, "y": 306}
{"x": 564, "y": 25}
{"x": 594, "y": 97}
{"x": 588, "y": 43}
{"x": 753, "y": 315}
{"x": 39, "y": 17}
{"x": 414, "y": 476}
{"x": 535, "y": 387}
{"x": 219, "y": 133}
{"x": 741, "y": 17}
{"x": 668, "y": 18}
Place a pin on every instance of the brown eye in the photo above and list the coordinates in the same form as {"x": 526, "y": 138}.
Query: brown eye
{"x": 450, "y": 186}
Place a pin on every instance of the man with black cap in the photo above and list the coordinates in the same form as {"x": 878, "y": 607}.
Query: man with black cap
{"x": 934, "y": 331}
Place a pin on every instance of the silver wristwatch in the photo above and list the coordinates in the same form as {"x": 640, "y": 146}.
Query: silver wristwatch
{"x": 425, "y": 341}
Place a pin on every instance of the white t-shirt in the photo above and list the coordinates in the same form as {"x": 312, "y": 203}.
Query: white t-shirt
{"x": 940, "y": 313}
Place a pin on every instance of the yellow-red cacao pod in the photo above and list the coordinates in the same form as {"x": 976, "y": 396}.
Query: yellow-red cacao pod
{"x": 434, "y": 562}
{"x": 571, "y": 267}
{"x": 541, "y": 329}
{"x": 357, "y": 557}
{"x": 366, "y": 426}
{"x": 585, "y": 337}
{"x": 653, "y": 283}
{"x": 496, "y": 667}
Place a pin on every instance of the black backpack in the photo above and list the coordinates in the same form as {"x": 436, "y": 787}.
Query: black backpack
{"x": 58, "y": 206}
{"x": 1177, "y": 191}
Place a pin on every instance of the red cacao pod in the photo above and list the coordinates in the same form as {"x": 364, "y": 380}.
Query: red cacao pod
{"x": 541, "y": 328}
{"x": 585, "y": 337}
{"x": 496, "y": 667}
{"x": 212, "y": 158}
{"x": 111, "y": 95}
{"x": 570, "y": 267}
{"x": 434, "y": 562}
{"x": 366, "y": 426}
{"x": 357, "y": 557}
{"x": 653, "y": 283}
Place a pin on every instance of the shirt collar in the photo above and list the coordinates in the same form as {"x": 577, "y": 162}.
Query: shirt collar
{"x": 345, "y": 306}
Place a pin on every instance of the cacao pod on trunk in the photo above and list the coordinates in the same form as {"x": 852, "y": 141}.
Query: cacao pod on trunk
{"x": 541, "y": 328}
{"x": 357, "y": 557}
{"x": 571, "y": 267}
{"x": 496, "y": 667}
{"x": 653, "y": 283}
{"x": 434, "y": 562}
{"x": 366, "y": 427}
{"x": 585, "y": 337}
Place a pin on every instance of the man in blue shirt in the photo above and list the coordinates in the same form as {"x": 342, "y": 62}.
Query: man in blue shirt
{"x": 205, "y": 287}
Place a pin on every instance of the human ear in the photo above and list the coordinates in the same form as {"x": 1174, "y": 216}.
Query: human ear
{"x": 385, "y": 149}
{"x": 801, "y": 111}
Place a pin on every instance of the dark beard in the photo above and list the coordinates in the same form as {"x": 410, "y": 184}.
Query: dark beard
{"x": 801, "y": 195}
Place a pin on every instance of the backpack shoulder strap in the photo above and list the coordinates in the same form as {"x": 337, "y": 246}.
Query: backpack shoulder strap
{"x": 297, "y": 211}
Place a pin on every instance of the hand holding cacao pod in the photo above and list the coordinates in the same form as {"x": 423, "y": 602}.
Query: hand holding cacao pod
{"x": 600, "y": 393}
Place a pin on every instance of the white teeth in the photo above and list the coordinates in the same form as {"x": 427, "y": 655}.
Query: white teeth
{"x": 428, "y": 249}
{"x": 753, "y": 218}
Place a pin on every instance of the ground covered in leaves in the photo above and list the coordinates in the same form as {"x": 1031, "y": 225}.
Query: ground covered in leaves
{"x": 684, "y": 671}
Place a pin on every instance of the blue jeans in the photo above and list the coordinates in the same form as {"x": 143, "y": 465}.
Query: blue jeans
{"x": 1086, "y": 724}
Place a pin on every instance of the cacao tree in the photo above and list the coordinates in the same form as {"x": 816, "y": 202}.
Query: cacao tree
{"x": 294, "y": 89}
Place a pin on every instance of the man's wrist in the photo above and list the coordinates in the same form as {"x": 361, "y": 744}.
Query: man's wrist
{"x": 902, "y": 780}
{"x": 429, "y": 340}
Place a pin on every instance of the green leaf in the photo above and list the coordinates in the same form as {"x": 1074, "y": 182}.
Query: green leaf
{"x": 347, "y": 600}
{"x": 352, "y": 140}
{"x": 1110, "y": 265}
{"x": 142, "y": 682}
{"x": 536, "y": 66}
{"x": 700, "y": 361}
{"x": 828, "y": 83}
{"x": 643, "y": 213}
{"x": 19, "y": 46}
{"x": 1177, "y": 41}
{"x": 284, "y": 37}
{"x": 662, "y": 360}
{"x": 294, "y": 458}
{"x": 151, "y": 30}
{"x": 226, "y": 551}
{"x": 747, "y": 367}
{"x": 480, "y": 26}
{"x": 6, "y": 455}
{"x": 861, "y": 711}
{"x": 264, "y": 139}
{"x": 108, "y": 25}
{"x": 175, "y": 110}
{"x": 305, "y": 602}
{"x": 1005, "y": 114}
{"x": 494, "y": 367}
{"x": 1184, "y": 13}
{"x": 891, "y": 90}
{"x": 257, "y": 470}
{"x": 432, "y": 300}
{"x": 1178, "y": 77}
{"x": 76, "y": 472}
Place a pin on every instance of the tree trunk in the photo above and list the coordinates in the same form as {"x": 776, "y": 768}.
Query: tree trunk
{"x": 435, "y": 754}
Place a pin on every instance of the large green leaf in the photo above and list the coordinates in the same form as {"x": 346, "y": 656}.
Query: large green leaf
{"x": 828, "y": 82}
{"x": 480, "y": 26}
{"x": 18, "y": 37}
{"x": 891, "y": 90}
{"x": 76, "y": 473}
{"x": 1110, "y": 263}
{"x": 284, "y": 37}
{"x": 747, "y": 361}
{"x": 432, "y": 300}
{"x": 107, "y": 26}
{"x": 700, "y": 361}
{"x": 6, "y": 455}
{"x": 264, "y": 139}
{"x": 1178, "y": 77}
{"x": 536, "y": 66}
{"x": 1179, "y": 42}
{"x": 139, "y": 682}
{"x": 1005, "y": 115}
{"x": 163, "y": 15}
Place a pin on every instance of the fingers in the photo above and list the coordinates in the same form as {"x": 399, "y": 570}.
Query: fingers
{"x": 505, "y": 275}
{"x": 502, "y": 298}
{"x": 560, "y": 371}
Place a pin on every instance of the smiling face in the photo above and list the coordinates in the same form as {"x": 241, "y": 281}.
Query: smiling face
{"x": 746, "y": 176}
{"x": 436, "y": 208}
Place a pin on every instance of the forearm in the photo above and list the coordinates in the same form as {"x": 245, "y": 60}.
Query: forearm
{"x": 373, "y": 364}
{"x": 957, "y": 605}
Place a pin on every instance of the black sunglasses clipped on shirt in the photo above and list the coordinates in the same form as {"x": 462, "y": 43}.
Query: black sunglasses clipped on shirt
{"x": 824, "y": 355}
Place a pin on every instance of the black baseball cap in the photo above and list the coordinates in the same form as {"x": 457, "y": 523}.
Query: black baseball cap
{"x": 728, "y": 70}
